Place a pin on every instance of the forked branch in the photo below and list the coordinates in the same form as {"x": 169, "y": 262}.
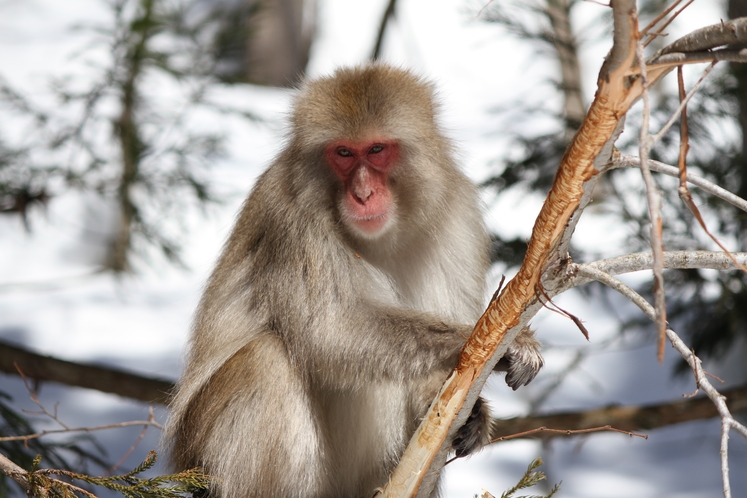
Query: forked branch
{"x": 619, "y": 86}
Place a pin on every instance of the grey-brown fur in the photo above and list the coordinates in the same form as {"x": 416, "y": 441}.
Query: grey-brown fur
{"x": 315, "y": 350}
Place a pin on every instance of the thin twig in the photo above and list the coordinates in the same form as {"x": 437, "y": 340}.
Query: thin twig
{"x": 568, "y": 432}
{"x": 653, "y": 197}
{"x": 682, "y": 190}
{"x": 388, "y": 14}
{"x": 36, "y": 435}
{"x": 37, "y": 402}
{"x": 684, "y": 140}
{"x": 661, "y": 29}
{"x": 727, "y": 420}
{"x": 683, "y": 103}
{"x": 66, "y": 428}
{"x": 130, "y": 450}
{"x": 550, "y": 305}
{"x": 565, "y": 432}
{"x": 658, "y": 18}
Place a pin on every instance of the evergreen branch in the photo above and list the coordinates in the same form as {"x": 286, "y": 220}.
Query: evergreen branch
{"x": 37, "y": 482}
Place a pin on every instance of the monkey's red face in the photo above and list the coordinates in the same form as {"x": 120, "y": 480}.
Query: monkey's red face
{"x": 363, "y": 168}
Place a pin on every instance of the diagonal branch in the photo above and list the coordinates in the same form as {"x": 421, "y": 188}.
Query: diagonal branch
{"x": 18, "y": 474}
{"x": 388, "y": 15}
{"x": 728, "y": 422}
{"x": 545, "y": 265}
{"x": 659, "y": 167}
{"x": 416, "y": 473}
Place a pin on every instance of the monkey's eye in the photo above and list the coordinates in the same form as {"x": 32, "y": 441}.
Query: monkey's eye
{"x": 344, "y": 152}
{"x": 376, "y": 149}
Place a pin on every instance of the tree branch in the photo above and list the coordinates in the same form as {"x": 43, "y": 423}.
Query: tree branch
{"x": 18, "y": 474}
{"x": 654, "y": 202}
{"x": 388, "y": 14}
{"x": 545, "y": 269}
{"x": 683, "y": 260}
{"x": 728, "y": 422}
{"x": 424, "y": 457}
{"x": 700, "y": 43}
{"x": 627, "y": 418}
{"x": 710, "y": 37}
{"x": 659, "y": 167}
{"x": 726, "y": 55}
{"x": 106, "y": 379}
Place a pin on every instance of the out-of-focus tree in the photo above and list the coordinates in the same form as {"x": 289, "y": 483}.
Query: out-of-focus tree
{"x": 130, "y": 132}
{"x": 264, "y": 41}
{"x": 710, "y": 309}
{"x": 127, "y": 132}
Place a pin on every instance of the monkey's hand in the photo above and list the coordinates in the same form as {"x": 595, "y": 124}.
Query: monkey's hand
{"x": 522, "y": 361}
{"x": 475, "y": 433}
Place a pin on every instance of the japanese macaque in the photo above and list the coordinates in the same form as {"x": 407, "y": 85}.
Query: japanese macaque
{"x": 354, "y": 274}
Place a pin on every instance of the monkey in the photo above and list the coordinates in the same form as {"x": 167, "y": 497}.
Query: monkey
{"x": 350, "y": 282}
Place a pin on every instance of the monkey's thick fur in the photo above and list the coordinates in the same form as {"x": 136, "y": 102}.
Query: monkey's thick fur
{"x": 317, "y": 348}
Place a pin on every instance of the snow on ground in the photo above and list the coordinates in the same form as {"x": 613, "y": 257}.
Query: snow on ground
{"x": 51, "y": 302}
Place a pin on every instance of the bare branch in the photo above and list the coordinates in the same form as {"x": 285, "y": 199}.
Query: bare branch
{"x": 151, "y": 422}
{"x": 717, "y": 35}
{"x": 110, "y": 380}
{"x": 727, "y": 420}
{"x": 725, "y": 55}
{"x": 681, "y": 107}
{"x": 629, "y": 418}
{"x": 548, "y": 432}
{"x": 653, "y": 197}
{"x": 683, "y": 260}
{"x": 661, "y": 16}
{"x": 15, "y": 472}
{"x": 388, "y": 14}
{"x": 661, "y": 28}
{"x": 659, "y": 167}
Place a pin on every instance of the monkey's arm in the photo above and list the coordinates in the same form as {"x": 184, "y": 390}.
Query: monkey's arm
{"x": 371, "y": 341}
{"x": 376, "y": 342}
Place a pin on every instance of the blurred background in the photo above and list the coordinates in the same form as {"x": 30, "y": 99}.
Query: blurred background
{"x": 132, "y": 130}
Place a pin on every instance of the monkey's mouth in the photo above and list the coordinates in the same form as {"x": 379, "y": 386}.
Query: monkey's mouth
{"x": 370, "y": 224}
{"x": 368, "y": 221}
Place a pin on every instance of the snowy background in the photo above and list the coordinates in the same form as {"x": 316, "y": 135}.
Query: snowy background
{"x": 51, "y": 301}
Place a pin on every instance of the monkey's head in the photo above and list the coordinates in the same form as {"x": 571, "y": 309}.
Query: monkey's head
{"x": 373, "y": 132}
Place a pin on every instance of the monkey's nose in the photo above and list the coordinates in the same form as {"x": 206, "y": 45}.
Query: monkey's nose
{"x": 363, "y": 193}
